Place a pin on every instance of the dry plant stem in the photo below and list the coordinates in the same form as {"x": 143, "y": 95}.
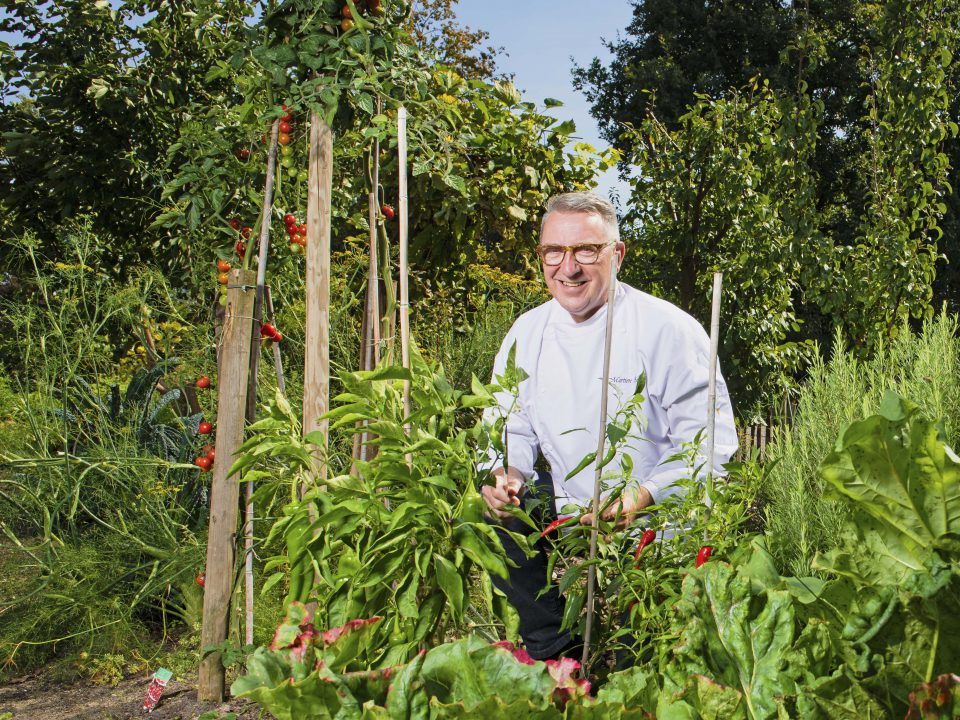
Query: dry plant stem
{"x": 316, "y": 369}
{"x": 601, "y": 439}
{"x": 712, "y": 389}
{"x": 225, "y": 491}
{"x": 404, "y": 290}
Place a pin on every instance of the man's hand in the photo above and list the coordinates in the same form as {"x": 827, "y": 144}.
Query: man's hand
{"x": 632, "y": 501}
{"x": 507, "y": 491}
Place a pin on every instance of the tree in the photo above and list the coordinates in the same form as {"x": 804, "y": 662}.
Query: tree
{"x": 729, "y": 190}
{"x": 880, "y": 77}
{"x": 93, "y": 97}
{"x": 434, "y": 28}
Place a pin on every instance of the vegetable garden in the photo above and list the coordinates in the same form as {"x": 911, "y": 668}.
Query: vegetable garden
{"x": 249, "y": 351}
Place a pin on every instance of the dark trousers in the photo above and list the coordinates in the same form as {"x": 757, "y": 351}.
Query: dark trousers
{"x": 540, "y": 614}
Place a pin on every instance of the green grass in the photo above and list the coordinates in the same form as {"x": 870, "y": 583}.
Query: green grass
{"x": 923, "y": 367}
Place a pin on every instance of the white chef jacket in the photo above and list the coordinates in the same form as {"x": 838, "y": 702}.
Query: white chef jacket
{"x": 564, "y": 361}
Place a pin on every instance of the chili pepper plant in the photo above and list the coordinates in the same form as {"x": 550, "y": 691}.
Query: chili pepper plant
{"x": 398, "y": 535}
{"x": 640, "y": 567}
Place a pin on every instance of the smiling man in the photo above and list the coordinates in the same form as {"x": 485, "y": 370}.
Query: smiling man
{"x": 560, "y": 345}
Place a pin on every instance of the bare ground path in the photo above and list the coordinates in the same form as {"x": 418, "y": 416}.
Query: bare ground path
{"x": 36, "y": 698}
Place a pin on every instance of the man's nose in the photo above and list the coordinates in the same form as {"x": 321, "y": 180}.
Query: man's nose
{"x": 569, "y": 265}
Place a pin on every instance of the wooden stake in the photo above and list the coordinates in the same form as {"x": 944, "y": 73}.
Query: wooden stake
{"x": 601, "y": 440}
{"x": 404, "y": 289}
{"x": 225, "y": 492}
{"x": 712, "y": 387}
{"x": 316, "y": 365}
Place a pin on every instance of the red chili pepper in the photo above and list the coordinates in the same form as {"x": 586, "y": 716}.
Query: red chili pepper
{"x": 648, "y": 537}
{"x": 555, "y": 524}
{"x": 705, "y": 552}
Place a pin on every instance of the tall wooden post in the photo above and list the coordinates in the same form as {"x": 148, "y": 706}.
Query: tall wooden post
{"x": 316, "y": 363}
{"x": 225, "y": 492}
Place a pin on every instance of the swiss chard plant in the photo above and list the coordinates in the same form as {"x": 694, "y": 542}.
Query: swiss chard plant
{"x": 875, "y": 636}
{"x": 304, "y": 675}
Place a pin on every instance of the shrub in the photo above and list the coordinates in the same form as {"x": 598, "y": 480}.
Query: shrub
{"x": 924, "y": 367}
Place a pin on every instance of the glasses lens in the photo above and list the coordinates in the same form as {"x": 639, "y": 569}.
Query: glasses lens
{"x": 587, "y": 254}
{"x": 552, "y": 255}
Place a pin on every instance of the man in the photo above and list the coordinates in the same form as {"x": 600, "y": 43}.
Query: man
{"x": 560, "y": 345}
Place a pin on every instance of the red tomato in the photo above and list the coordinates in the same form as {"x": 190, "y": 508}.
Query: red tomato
{"x": 285, "y": 127}
{"x": 302, "y": 229}
{"x": 223, "y": 266}
{"x": 388, "y": 212}
{"x": 204, "y": 428}
{"x": 247, "y": 232}
{"x": 204, "y": 463}
{"x": 241, "y": 248}
{"x": 203, "y": 382}
{"x": 234, "y": 223}
{"x": 201, "y": 579}
{"x": 290, "y": 219}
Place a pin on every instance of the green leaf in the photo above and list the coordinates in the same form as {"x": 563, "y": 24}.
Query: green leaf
{"x": 456, "y": 182}
{"x": 898, "y": 468}
{"x": 737, "y": 640}
{"x": 451, "y": 583}
{"x": 517, "y": 213}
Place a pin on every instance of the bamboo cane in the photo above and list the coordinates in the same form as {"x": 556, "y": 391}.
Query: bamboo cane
{"x": 712, "y": 387}
{"x": 404, "y": 288}
{"x": 371, "y": 339}
{"x": 601, "y": 439}
{"x": 277, "y": 359}
{"x": 251, "y": 407}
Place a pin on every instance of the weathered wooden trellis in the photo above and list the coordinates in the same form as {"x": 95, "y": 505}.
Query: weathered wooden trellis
{"x": 239, "y": 357}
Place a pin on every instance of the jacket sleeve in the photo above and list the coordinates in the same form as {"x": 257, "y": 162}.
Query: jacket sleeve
{"x": 681, "y": 386}
{"x": 521, "y": 441}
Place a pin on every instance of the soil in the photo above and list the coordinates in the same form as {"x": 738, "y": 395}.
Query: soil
{"x": 37, "y": 698}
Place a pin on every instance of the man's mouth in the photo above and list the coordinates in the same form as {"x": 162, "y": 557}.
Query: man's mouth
{"x": 570, "y": 283}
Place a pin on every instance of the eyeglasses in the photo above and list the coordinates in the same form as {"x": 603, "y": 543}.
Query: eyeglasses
{"x": 552, "y": 255}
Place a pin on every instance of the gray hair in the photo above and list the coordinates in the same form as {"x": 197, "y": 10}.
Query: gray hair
{"x": 588, "y": 203}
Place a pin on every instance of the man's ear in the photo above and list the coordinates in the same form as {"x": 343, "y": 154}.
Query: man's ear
{"x": 621, "y": 249}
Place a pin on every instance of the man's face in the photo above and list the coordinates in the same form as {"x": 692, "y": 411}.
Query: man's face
{"x": 580, "y": 289}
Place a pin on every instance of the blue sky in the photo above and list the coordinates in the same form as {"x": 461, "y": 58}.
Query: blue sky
{"x": 540, "y": 38}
